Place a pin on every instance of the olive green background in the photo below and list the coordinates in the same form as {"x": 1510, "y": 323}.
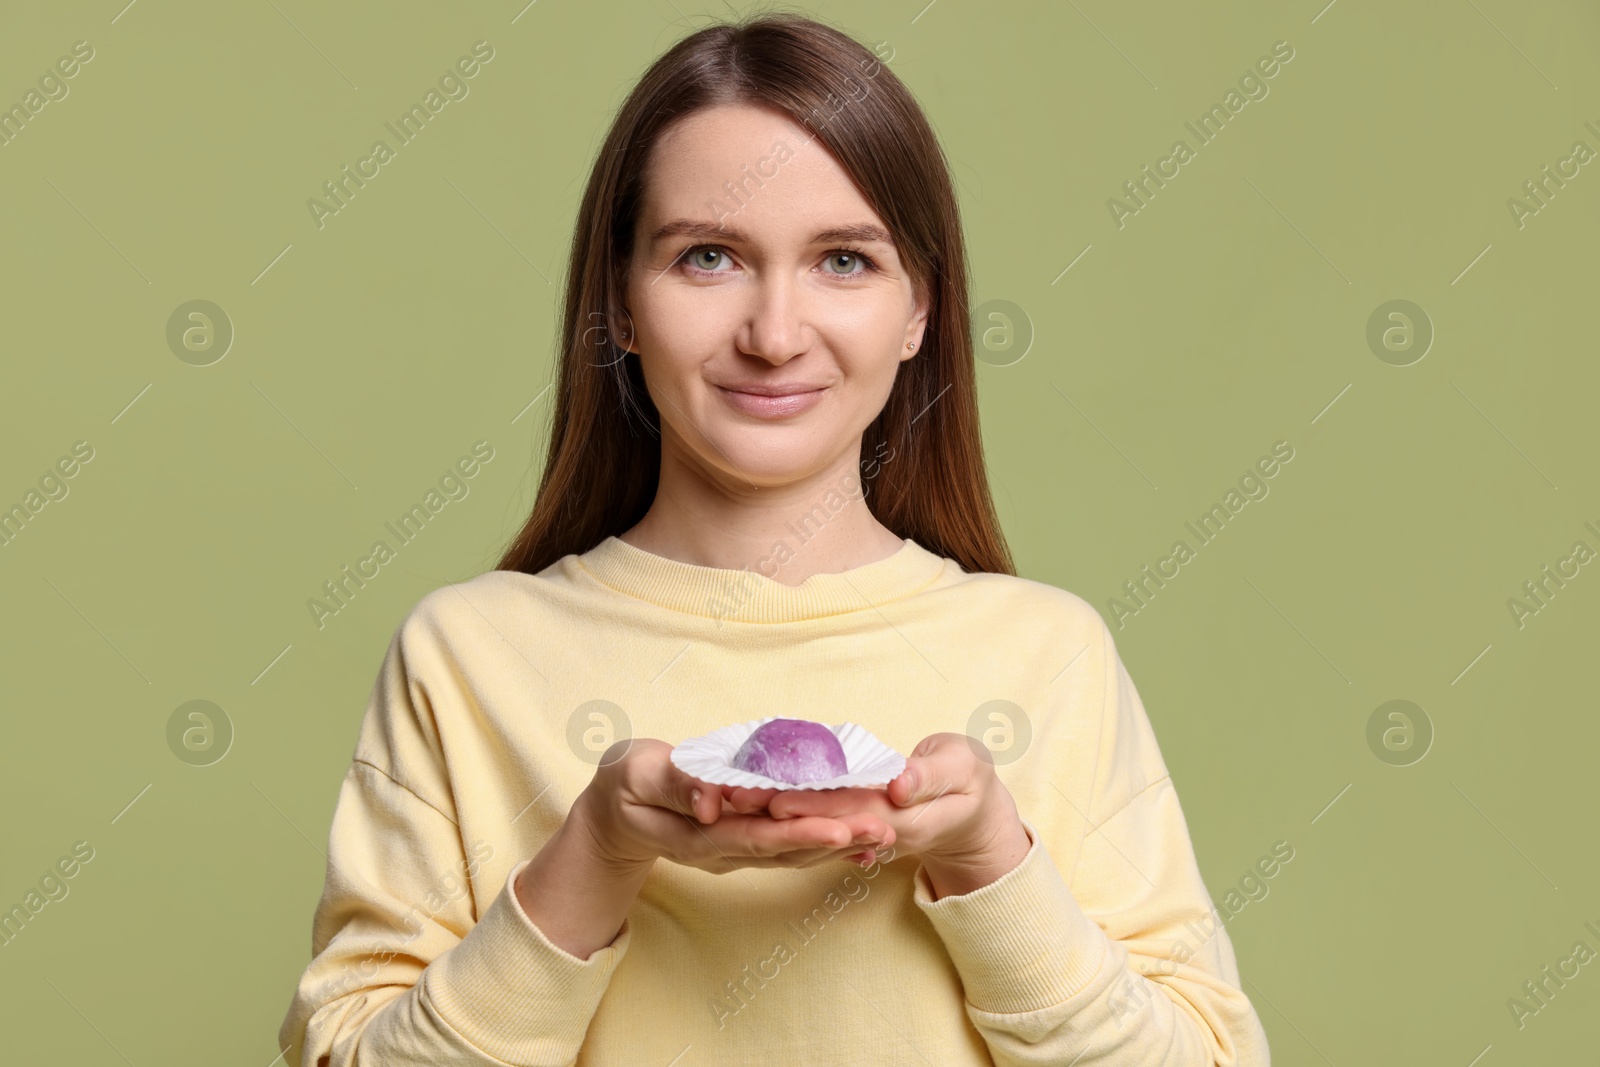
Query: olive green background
{"x": 1231, "y": 312}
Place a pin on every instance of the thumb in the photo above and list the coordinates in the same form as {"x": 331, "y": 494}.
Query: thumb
{"x": 705, "y": 802}
{"x": 699, "y": 800}
{"x": 911, "y": 786}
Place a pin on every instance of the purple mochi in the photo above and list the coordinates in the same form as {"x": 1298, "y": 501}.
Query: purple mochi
{"x": 793, "y": 751}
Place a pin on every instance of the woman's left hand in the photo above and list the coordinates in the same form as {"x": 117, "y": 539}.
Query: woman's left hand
{"x": 948, "y": 807}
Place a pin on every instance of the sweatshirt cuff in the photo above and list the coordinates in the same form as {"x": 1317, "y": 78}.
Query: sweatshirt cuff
{"x": 512, "y": 992}
{"x": 1020, "y": 943}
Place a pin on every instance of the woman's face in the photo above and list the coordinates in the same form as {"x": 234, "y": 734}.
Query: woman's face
{"x": 758, "y": 267}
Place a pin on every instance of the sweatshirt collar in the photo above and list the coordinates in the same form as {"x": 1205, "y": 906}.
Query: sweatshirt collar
{"x": 733, "y": 595}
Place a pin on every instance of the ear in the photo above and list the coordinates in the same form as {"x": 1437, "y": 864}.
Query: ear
{"x": 915, "y": 328}
{"x": 623, "y": 334}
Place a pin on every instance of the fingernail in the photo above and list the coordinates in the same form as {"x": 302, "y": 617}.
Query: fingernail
{"x": 694, "y": 798}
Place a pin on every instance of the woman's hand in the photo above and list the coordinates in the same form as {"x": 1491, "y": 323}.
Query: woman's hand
{"x": 640, "y": 806}
{"x": 948, "y": 806}
{"x": 579, "y": 887}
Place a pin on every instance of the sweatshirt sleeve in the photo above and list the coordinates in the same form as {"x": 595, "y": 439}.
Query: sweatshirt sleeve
{"x": 1130, "y": 965}
{"x": 403, "y": 972}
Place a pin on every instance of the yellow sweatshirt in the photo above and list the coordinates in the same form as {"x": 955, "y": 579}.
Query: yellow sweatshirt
{"x": 497, "y": 696}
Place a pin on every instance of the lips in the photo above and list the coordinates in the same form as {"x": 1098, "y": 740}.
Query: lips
{"x": 773, "y": 401}
{"x": 772, "y": 388}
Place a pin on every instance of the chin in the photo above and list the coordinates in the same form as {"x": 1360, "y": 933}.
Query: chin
{"x": 770, "y": 455}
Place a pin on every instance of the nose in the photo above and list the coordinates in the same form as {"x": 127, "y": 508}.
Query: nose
{"x": 775, "y": 328}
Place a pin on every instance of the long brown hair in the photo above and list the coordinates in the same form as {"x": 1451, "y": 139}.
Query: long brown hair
{"x": 604, "y": 457}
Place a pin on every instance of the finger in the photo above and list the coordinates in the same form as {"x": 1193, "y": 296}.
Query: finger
{"x": 828, "y": 802}
{"x": 757, "y": 835}
{"x": 852, "y": 853}
{"x": 868, "y": 829}
{"x": 835, "y": 857}
{"x": 738, "y": 841}
{"x": 749, "y": 801}
{"x": 706, "y": 805}
{"x": 806, "y": 858}
{"x": 722, "y": 856}
{"x": 902, "y": 791}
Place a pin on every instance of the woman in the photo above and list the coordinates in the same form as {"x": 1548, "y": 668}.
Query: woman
{"x": 764, "y": 496}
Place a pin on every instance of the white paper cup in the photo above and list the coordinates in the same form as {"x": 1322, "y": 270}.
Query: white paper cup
{"x": 709, "y": 758}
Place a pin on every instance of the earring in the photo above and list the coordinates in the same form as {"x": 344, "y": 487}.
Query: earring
{"x": 911, "y": 344}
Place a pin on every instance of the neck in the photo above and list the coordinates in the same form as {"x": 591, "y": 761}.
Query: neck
{"x": 818, "y": 525}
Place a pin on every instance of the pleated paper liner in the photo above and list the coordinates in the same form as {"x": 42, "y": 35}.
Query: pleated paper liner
{"x": 709, "y": 758}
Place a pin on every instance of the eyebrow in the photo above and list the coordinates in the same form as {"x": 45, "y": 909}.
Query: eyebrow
{"x": 714, "y": 231}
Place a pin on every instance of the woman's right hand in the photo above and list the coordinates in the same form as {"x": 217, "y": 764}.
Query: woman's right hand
{"x": 639, "y": 806}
